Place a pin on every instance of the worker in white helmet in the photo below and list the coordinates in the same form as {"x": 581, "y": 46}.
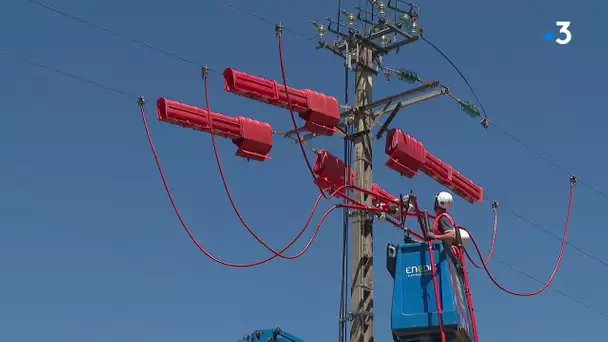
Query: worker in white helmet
{"x": 444, "y": 227}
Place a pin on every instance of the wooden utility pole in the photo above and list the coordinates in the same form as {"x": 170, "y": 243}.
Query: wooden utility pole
{"x": 362, "y": 277}
{"x": 363, "y": 49}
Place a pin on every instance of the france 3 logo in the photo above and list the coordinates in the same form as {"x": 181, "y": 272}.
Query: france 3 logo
{"x": 564, "y": 35}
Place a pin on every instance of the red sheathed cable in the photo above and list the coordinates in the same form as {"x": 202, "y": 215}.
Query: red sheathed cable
{"x": 198, "y": 244}
{"x": 557, "y": 264}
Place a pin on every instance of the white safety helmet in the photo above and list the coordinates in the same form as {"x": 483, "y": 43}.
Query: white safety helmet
{"x": 444, "y": 200}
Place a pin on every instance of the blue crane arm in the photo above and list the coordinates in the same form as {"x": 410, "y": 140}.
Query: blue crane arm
{"x": 270, "y": 335}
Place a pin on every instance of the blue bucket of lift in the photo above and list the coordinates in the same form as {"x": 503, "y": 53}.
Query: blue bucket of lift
{"x": 414, "y": 309}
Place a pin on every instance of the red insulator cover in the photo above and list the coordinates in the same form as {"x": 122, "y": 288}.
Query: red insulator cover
{"x": 383, "y": 198}
{"x": 408, "y": 155}
{"x": 253, "y": 138}
{"x": 321, "y": 112}
{"x": 330, "y": 175}
{"x": 330, "y": 171}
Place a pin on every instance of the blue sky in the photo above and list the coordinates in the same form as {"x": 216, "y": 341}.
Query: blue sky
{"x": 90, "y": 249}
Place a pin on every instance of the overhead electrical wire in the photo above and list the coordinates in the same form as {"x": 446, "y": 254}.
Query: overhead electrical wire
{"x": 505, "y": 132}
{"x": 464, "y": 78}
{"x": 178, "y": 57}
{"x": 190, "y": 62}
{"x": 343, "y": 302}
{"x": 127, "y": 94}
{"x": 211, "y": 69}
{"x": 116, "y": 34}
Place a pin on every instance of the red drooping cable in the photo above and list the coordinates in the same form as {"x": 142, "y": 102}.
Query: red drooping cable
{"x": 193, "y": 238}
{"x": 227, "y": 188}
{"x": 557, "y": 264}
{"x": 437, "y": 295}
{"x": 438, "y": 302}
{"x": 493, "y": 242}
{"x": 467, "y": 288}
{"x": 290, "y": 107}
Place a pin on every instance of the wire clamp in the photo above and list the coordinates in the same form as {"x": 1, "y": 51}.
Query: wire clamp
{"x": 485, "y": 123}
{"x": 141, "y": 101}
{"x": 204, "y": 71}
{"x": 494, "y": 204}
{"x": 278, "y": 28}
{"x": 573, "y": 180}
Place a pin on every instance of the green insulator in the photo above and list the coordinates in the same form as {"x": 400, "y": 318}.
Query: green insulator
{"x": 469, "y": 108}
{"x": 407, "y": 75}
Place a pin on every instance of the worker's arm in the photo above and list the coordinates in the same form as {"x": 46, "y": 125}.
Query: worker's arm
{"x": 448, "y": 237}
{"x": 447, "y": 232}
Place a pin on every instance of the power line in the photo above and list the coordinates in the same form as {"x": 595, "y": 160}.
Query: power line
{"x": 261, "y": 18}
{"x": 185, "y": 60}
{"x": 61, "y": 72}
{"x": 552, "y": 163}
{"x": 117, "y": 34}
{"x": 124, "y": 93}
{"x": 505, "y": 132}
{"x": 583, "y": 304}
{"x": 464, "y": 78}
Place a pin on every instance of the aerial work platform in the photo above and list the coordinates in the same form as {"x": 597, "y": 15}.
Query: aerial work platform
{"x": 414, "y": 311}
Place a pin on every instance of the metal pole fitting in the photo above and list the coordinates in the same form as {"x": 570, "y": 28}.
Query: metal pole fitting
{"x": 573, "y": 180}
{"x": 485, "y": 123}
{"x": 141, "y": 101}
{"x": 278, "y": 28}
{"x": 494, "y": 204}
{"x": 204, "y": 71}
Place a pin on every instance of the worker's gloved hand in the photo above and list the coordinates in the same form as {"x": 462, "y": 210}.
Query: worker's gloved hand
{"x": 431, "y": 236}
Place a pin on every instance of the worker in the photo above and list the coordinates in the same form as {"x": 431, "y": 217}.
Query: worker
{"x": 444, "y": 227}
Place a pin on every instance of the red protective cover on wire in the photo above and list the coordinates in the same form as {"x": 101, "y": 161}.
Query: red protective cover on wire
{"x": 253, "y": 138}
{"x": 408, "y": 155}
{"x": 321, "y": 112}
{"x": 330, "y": 172}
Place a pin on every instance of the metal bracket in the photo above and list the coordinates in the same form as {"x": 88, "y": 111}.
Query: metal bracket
{"x": 356, "y": 135}
{"x": 388, "y": 121}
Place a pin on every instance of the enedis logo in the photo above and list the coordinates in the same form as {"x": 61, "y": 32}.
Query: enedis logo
{"x": 417, "y": 270}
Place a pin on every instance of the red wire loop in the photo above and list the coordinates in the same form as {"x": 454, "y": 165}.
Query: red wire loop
{"x": 293, "y": 117}
{"x": 198, "y": 244}
{"x": 227, "y": 188}
{"x": 557, "y": 264}
{"x": 492, "y": 243}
